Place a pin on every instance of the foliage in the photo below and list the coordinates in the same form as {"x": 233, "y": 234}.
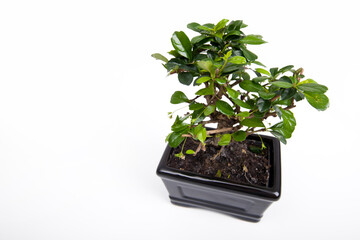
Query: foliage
{"x": 233, "y": 89}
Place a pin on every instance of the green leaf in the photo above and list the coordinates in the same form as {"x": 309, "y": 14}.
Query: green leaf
{"x": 237, "y": 60}
{"x": 178, "y": 97}
{"x": 220, "y": 25}
{"x": 197, "y": 116}
{"x": 201, "y": 135}
{"x": 242, "y": 104}
{"x": 205, "y": 91}
{"x": 252, "y": 39}
{"x": 179, "y": 125}
{"x": 249, "y": 55}
{"x": 274, "y": 71}
{"x": 196, "y": 106}
{"x": 287, "y": 93}
{"x": 289, "y": 121}
{"x": 279, "y": 127}
{"x": 307, "y": 81}
{"x": 232, "y": 93}
{"x": 313, "y": 88}
{"x": 250, "y": 86}
{"x": 263, "y": 105}
{"x": 224, "y": 108}
{"x": 193, "y": 26}
{"x": 205, "y": 28}
{"x": 182, "y": 44}
{"x": 218, "y": 174}
{"x": 175, "y": 139}
{"x": 263, "y": 71}
{"x": 266, "y": 95}
{"x": 286, "y": 68}
{"x": 282, "y": 84}
{"x": 243, "y": 114}
{"x": 225, "y": 140}
{"x": 190, "y": 152}
{"x": 317, "y": 100}
{"x": 252, "y": 122}
{"x": 185, "y": 78}
{"x": 239, "y": 136}
{"x": 202, "y": 80}
{"x": 158, "y": 56}
{"x": 209, "y": 110}
{"x": 260, "y": 79}
{"x": 220, "y": 81}
{"x": 206, "y": 65}
{"x": 279, "y": 136}
{"x": 235, "y": 25}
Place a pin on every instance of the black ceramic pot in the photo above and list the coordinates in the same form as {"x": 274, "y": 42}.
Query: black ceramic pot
{"x": 247, "y": 202}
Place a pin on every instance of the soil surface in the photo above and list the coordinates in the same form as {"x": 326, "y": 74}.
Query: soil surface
{"x": 239, "y": 162}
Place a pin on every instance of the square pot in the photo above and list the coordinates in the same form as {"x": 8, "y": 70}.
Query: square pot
{"x": 247, "y": 202}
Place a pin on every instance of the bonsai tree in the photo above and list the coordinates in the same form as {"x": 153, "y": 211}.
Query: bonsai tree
{"x": 233, "y": 89}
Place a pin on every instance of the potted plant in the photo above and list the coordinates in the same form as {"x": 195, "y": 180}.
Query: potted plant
{"x": 215, "y": 158}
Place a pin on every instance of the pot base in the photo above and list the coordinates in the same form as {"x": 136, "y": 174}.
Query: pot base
{"x": 237, "y": 213}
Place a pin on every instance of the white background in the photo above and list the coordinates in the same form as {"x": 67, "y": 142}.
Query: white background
{"x": 83, "y": 117}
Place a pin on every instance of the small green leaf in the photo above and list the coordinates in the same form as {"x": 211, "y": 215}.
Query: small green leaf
{"x": 252, "y": 122}
{"x": 209, "y": 110}
{"x": 202, "y": 80}
{"x": 193, "y": 26}
{"x": 201, "y": 135}
{"x": 239, "y": 136}
{"x": 224, "y": 108}
{"x": 178, "y": 97}
{"x": 307, "y": 81}
{"x": 263, "y": 71}
{"x": 206, "y": 65}
{"x": 190, "y": 152}
{"x": 279, "y": 136}
{"x": 252, "y": 39}
{"x": 242, "y": 104}
{"x": 250, "y": 86}
{"x": 243, "y": 114}
{"x": 220, "y": 25}
{"x": 287, "y": 93}
{"x": 289, "y": 120}
{"x": 225, "y": 140}
{"x": 260, "y": 79}
{"x": 237, "y": 60}
{"x": 280, "y": 128}
{"x": 158, "y": 56}
{"x": 266, "y": 95}
{"x": 220, "y": 81}
{"x": 175, "y": 139}
{"x": 205, "y": 91}
{"x": 286, "y": 68}
{"x": 179, "y": 125}
{"x": 313, "y": 88}
{"x": 317, "y": 100}
{"x": 185, "y": 78}
{"x": 196, "y": 106}
{"x": 249, "y": 55}
{"x": 282, "y": 84}
{"x": 218, "y": 174}
{"x": 263, "y": 105}
{"x": 182, "y": 44}
{"x": 274, "y": 71}
{"x": 232, "y": 93}
{"x": 235, "y": 25}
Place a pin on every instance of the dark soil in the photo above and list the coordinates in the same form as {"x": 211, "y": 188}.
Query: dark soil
{"x": 239, "y": 162}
